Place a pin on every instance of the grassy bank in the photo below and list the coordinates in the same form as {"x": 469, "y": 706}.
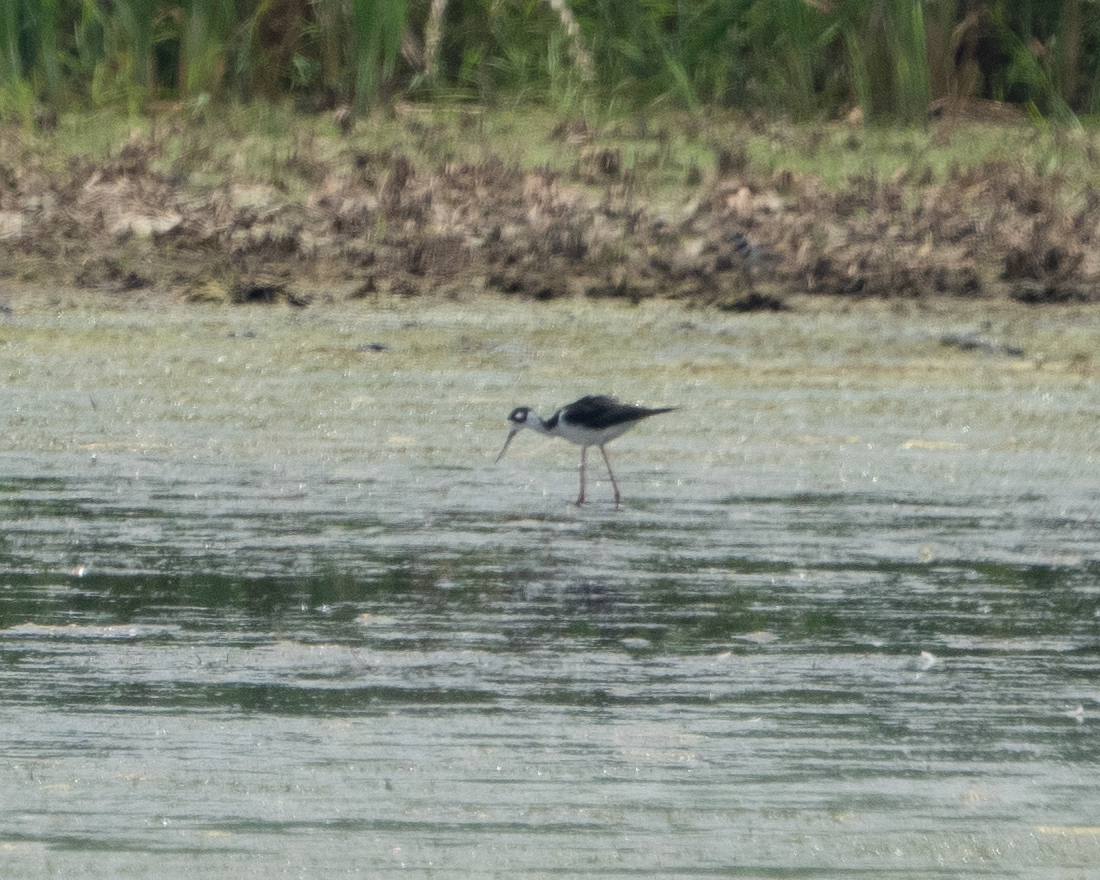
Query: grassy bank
{"x": 263, "y": 204}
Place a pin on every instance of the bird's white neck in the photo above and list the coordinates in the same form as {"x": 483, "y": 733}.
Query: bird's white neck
{"x": 535, "y": 423}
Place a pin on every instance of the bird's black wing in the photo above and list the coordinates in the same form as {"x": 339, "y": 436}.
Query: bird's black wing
{"x": 599, "y": 411}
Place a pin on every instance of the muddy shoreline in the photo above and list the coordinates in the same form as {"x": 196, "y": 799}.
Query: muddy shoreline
{"x": 361, "y": 216}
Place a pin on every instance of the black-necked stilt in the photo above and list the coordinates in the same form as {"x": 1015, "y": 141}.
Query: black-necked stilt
{"x": 591, "y": 421}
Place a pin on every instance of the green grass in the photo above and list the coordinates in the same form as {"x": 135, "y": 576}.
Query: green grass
{"x": 263, "y": 143}
{"x": 801, "y": 58}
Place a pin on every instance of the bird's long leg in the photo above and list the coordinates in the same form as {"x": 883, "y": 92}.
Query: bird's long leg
{"x": 614, "y": 485}
{"x": 584, "y": 455}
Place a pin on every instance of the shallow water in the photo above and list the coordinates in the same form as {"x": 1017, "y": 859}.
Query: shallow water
{"x": 268, "y": 609}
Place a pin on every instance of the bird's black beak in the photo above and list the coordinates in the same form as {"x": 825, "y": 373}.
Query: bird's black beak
{"x": 511, "y": 434}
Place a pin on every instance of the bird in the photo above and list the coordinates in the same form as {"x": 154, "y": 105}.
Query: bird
{"x": 594, "y": 420}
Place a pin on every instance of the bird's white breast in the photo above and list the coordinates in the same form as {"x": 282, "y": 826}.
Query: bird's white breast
{"x": 583, "y": 436}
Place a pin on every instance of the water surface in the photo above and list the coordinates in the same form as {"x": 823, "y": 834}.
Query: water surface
{"x": 268, "y": 609}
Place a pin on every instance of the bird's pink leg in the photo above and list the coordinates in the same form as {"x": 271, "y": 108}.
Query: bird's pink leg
{"x": 584, "y": 454}
{"x": 614, "y": 485}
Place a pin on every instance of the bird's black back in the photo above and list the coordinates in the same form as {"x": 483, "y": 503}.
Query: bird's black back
{"x": 597, "y": 411}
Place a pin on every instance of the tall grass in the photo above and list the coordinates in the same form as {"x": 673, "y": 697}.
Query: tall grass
{"x": 887, "y": 45}
{"x": 378, "y": 26}
{"x": 805, "y": 58}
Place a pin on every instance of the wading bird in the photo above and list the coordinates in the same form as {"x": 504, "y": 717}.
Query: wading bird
{"x": 595, "y": 420}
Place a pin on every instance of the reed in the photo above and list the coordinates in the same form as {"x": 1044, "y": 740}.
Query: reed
{"x": 805, "y": 58}
{"x": 377, "y": 27}
{"x": 11, "y": 62}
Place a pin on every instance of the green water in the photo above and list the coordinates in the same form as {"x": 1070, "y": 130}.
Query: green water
{"x": 268, "y": 608}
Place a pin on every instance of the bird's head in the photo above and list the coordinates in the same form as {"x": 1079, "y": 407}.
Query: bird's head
{"x": 518, "y": 416}
{"x": 518, "y": 419}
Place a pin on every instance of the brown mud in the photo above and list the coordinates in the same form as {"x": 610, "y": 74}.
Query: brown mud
{"x": 368, "y": 222}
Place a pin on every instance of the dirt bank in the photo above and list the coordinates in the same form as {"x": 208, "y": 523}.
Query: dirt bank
{"x": 359, "y": 215}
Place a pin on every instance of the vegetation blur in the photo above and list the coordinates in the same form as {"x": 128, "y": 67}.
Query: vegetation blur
{"x": 894, "y": 60}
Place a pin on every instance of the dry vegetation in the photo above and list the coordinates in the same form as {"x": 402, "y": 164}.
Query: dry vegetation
{"x": 732, "y": 213}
